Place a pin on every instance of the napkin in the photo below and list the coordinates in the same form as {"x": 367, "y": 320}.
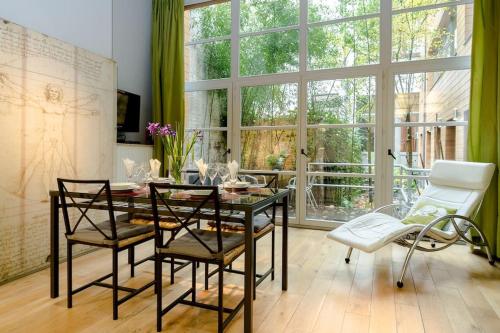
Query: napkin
{"x": 129, "y": 166}
{"x": 202, "y": 166}
{"x": 155, "y": 168}
{"x": 233, "y": 169}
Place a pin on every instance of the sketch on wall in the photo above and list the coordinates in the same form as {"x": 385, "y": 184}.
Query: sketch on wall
{"x": 57, "y": 119}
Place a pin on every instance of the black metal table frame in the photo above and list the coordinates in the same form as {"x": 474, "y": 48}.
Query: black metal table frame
{"x": 249, "y": 211}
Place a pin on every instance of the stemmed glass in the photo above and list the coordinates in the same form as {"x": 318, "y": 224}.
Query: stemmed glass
{"x": 223, "y": 172}
{"x": 212, "y": 172}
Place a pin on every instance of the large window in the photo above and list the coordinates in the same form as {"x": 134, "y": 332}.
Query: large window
{"x": 320, "y": 90}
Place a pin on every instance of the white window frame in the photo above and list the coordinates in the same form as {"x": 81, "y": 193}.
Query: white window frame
{"x": 384, "y": 73}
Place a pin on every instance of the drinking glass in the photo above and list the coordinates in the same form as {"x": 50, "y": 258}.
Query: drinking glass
{"x": 223, "y": 172}
{"x": 212, "y": 172}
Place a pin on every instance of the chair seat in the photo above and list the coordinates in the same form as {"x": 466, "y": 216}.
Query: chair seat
{"x": 187, "y": 246}
{"x": 126, "y": 233}
{"x": 372, "y": 231}
{"x": 165, "y": 223}
{"x": 260, "y": 222}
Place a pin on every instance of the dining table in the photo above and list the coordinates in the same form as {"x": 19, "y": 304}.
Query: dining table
{"x": 244, "y": 205}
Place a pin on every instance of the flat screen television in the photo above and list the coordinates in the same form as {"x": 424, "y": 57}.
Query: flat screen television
{"x": 128, "y": 111}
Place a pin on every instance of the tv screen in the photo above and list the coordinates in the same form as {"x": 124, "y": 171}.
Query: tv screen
{"x": 128, "y": 111}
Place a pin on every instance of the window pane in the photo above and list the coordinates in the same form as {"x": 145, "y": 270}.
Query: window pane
{"x": 338, "y": 198}
{"x": 430, "y": 34}
{"x": 206, "y": 108}
{"x": 207, "y": 22}
{"x": 211, "y": 147}
{"x": 268, "y": 149}
{"x": 399, "y": 4}
{"x": 432, "y": 96}
{"x": 269, "y": 105}
{"x": 324, "y": 10}
{"x": 345, "y": 101}
{"x": 257, "y": 15}
{"x": 344, "y": 44}
{"x": 353, "y": 148}
{"x": 432, "y": 99}
{"x": 275, "y": 52}
{"x": 208, "y": 61}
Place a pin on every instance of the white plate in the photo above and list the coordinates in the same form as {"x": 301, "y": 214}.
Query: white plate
{"x": 237, "y": 185}
{"x": 123, "y": 186}
{"x": 199, "y": 192}
{"x": 162, "y": 180}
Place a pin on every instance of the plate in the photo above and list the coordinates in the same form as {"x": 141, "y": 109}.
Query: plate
{"x": 238, "y": 185}
{"x": 162, "y": 180}
{"x": 123, "y": 186}
{"x": 199, "y": 193}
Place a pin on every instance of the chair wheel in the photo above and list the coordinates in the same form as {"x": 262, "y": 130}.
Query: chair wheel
{"x": 492, "y": 262}
{"x": 400, "y": 284}
{"x": 433, "y": 245}
{"x": 347, "y": 260}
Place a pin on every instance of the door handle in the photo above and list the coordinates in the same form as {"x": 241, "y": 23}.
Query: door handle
{"x": 302, "y": 151}
{"x": 228, "y": 151}
{"x": 389, "y": 152}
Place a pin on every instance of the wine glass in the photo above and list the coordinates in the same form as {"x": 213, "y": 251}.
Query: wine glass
{"x": 223, "y": 172}
{"x": 130, "y": 168}
{"x": 212, "y": 172}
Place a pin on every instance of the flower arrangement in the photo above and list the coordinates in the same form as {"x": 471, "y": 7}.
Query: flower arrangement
{"x": 173, "y": 146}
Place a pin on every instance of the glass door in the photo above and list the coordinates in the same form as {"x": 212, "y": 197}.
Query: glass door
{"x": 340, "y": 138}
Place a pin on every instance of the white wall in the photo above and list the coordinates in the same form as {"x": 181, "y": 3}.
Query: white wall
{"x": 84, "y": 23}
{"x": 132, "y": 52}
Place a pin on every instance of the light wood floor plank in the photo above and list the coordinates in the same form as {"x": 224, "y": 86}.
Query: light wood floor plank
{"x": 449, "y": 291}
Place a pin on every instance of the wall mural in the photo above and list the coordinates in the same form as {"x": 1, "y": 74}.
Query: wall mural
{"x": 57, "y": 119}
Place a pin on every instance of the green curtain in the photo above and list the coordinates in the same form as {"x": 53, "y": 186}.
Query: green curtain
{"x": 168, "y": 68}
{"x": 484, "y": 119}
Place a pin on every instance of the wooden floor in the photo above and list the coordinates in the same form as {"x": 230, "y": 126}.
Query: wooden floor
{"x": 450, "y": 291}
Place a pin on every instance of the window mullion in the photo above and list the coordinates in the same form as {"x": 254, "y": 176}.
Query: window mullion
{"x": 235, "y": 111}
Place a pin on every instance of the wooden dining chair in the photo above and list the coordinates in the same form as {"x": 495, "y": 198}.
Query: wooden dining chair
{"x": 195, "y": 245}
{"x": 263, "y": 223}
{"x": 82, "y": 228}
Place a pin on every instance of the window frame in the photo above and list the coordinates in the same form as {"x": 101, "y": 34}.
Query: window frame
{"x": 384, "y": 72}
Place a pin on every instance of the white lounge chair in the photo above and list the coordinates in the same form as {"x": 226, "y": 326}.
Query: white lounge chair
{"x": 453, "y": 196}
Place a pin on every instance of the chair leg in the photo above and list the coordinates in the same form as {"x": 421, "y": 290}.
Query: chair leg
{"x": 172, "y": 270}
{"x": 254, "y": 269}
{"x": 131, "y": 260}
{"x": 348, "y": 256}
{"x": 273, "y": 241}
{"x": 193, "y": 282}
{"x": 158, "y": 266}
{"x": 206, "y": 276}
{"x": 69, "y": 261}
{"x": 406, "y": 262}
{"x": 115, "y": 284}
{"x": 220, "y": 308}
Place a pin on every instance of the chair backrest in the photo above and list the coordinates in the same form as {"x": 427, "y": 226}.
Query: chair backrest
{"x": 168, "y": 200}
{"x": 84, "y": 205}
{"x": 269, "y": 180}
{"x": 458, "y": 185}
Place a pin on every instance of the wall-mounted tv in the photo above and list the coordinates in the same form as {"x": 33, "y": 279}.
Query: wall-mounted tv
{"x": 128, "y": 111}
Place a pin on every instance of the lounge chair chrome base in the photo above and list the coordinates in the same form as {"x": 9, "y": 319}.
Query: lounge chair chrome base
{"x": 462, "y": 235}
{"x": 348, "y": 257}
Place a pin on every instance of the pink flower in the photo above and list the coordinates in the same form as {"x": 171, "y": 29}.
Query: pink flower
{"x": 153, "y": 128}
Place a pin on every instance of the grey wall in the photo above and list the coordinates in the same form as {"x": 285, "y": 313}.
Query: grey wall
{"x": 132, "y": 52}
{"x": 84, "y": 23}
